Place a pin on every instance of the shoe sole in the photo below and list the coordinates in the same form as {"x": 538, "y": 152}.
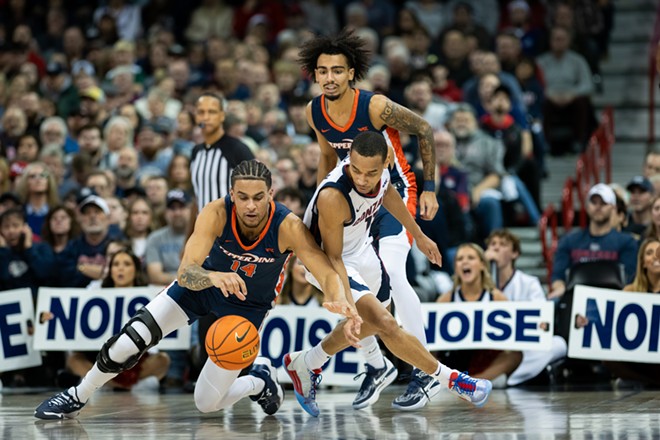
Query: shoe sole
{"x": 56, "y": 416}
{"x": 431, "y": 393}
{"x": 483, "y": 402}
{"x": 297, "y": 385}
{"x": 389, "y": 378}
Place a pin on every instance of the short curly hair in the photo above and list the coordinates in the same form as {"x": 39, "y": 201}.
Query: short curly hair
{"x": 345, "y": 43}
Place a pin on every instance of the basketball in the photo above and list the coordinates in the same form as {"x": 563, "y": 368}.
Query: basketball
{"x": 232, "y": 342}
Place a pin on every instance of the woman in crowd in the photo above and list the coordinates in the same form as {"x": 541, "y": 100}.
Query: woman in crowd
{"x": 297, "y": 290}
{"x": 117, "y": 133}
{"x": 38, "y": 191}
{"x": 472, "y": 282}
{"x": 60, "y": 227}
{"x": 178, "y": 174}
{"x": 654, "y": 228}
{"x": 139, "y": 225}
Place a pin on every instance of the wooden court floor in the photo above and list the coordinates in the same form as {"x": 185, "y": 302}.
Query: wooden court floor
{"x": 509, "y": 414}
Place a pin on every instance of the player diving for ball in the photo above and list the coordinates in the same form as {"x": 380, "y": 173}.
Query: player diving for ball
{"x": 339, "y": 215}
{"x": 248, "y": 238}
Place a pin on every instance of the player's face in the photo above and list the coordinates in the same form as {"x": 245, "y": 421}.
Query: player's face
{"x": 333, "y": 75}
{"x": 366, "y": 172}
{"x": 208, "y": 111}
{"x": 468, "y": 265}
{"x": 252, "y": 199}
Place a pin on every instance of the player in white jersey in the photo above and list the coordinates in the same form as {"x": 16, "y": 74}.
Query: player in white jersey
{"x": 339, "y": 217}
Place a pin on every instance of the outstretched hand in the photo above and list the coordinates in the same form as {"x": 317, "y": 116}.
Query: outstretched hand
{"x": 353, "y": 322}
{"x": 430, "y": 249}
{"x": 428, "y": 205}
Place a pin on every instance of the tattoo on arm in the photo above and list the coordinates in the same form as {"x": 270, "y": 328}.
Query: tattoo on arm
{"x": 194, "y": 277}
{"x": 402, "y": 119}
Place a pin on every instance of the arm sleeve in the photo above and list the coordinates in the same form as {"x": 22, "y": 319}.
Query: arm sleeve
{"x": 561, "y": 260}
{"x": 41, "y": 259}
{"x": 628, "y": 258}
{"x": 585, "y": 85}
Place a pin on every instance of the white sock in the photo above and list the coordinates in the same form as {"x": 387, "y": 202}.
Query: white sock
{"x": 257, "y": 384}
{"x": 93, "y": 380}
{"x": 316, "y": 357}
{"x": 371, "y": 352}
{"x": 442, "y": 374}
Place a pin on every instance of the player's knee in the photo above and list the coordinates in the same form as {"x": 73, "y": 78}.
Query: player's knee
{"x": 206, "y": 398}
{"x": 122, "y": 351}
{"x": 387, "y": 325}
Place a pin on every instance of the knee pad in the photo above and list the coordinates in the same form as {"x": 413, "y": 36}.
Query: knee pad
{"x": 107, "y": 365}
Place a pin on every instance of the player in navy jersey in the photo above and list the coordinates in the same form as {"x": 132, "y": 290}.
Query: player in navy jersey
{"x": 339, "y": 215}
{"x": 337, "y": 116}
{"x": 248, "y": 238}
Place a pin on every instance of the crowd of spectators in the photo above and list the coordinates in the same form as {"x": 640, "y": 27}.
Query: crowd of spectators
{"x": 98, "y": 122}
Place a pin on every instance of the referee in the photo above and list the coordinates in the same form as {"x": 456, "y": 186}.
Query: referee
{"x": 212, "y": 162}
{"x": 211, "y": 165}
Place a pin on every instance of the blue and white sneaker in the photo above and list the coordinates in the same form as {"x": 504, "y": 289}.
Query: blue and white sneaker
{"x": 60, "y": 406}
{"x": 375, "y": 380}
{"x": 305, "y": 381}
{"x": 468, "y": 388}
{"x": 272, "y": 396}
{"x": 421, "y": 389}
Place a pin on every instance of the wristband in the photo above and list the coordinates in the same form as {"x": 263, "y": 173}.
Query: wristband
{"x": 429, "y": 185}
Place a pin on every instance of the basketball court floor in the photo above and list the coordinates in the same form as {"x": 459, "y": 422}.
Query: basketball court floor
{"x": 509, "y": 414}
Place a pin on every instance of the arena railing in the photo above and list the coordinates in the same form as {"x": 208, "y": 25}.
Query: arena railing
{"x": 594, "y": 165}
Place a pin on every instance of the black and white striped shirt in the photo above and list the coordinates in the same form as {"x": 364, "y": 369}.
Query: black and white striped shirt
{"x": 210, "y": 168}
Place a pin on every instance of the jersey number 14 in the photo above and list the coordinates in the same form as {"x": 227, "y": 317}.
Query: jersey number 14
{"x": 248, "y": 269}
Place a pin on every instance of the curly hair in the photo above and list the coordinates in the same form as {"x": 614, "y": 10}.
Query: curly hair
{"x": 345, "y": 43}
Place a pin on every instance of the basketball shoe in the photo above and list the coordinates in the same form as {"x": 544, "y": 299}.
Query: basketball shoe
{"x": 468, "y": 388}
{"x": 375, "y": 380}
{"x": 59, "y": 406}
{"x": 305, "y": 381}
{"x": 272, "y": 396}
{"x": 421, "y": 389}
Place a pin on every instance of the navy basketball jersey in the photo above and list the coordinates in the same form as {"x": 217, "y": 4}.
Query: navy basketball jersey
{"x": 341, "y": 138}
{"x": 260, "y": 264}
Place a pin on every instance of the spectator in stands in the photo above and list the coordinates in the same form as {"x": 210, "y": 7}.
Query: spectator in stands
{"x": 568, "y": 87}
{"x": 296, "y": 289}
{"x": 60, "y": 227}
{"x": 419, "y": 97}
{"x": 481, "y": 156}
{"x": 164, "y": 246}
{"x": 154, "y": 155}
{"x": 183, "y": 136}
{"x": 651, "y": 164}
{"x": 27, "y": 149}
{"x": 292, "y": 198}
{"x": 100, "y": 183}
{"x": 37, "y": 189}
{"x": 23, "y": 263}
{"x": 83, "y": 259}
{"x": 53, "y": 157}
{"x": 444, "y": 87}
{"x": 117, "y": 134}
{"x": 5, "y": 181}
{"x": 504, "y": 249}
{"x": 139, "y": 225}
{"x": 518, "y": 156}
{"x": 126, "y": 170}
{"x": 599, "y": 241}
{"x": 454, "y": 56}
{"x": 641, "y": 195}
{"x": 213, "y": 18}
{"x": 14, "y": 124}
{"x": 128, "y": 18}
{"x": 58, "y": 87}
{"x": 125, "y": 271}
{"x": 308, "y": 167}
{"x": 532, "y": 36}
{"x": 156, "y": 188}
{"x": 654, "y": 229}
{"x": 472, "y": 282}
{"x": 91, "y": 143}
{"x": 178, "y": 174}
{"x": 463, "y": 20}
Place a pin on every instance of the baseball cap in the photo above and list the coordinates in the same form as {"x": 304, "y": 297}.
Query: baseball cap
{"x": 604, "y": 192}
{"x": 176, "y": 195}
{"x": 96, "y": 201}
{"x": 640, "y": 182}
{"x": 83, "y": 66}
{"x": 54, "y": 68}
{"x": 94, "y": 93}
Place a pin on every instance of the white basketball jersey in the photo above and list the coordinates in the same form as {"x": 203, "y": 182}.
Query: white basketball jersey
{"x": 363, "y": 208}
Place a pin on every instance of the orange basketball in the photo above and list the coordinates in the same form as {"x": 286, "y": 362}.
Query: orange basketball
{"x": 232, "y": 342}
